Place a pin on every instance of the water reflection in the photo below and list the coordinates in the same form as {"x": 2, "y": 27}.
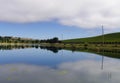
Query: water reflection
{"x": 53, "y": 49}
{"x": 71, "y": 72}
{"x": 11, "y": 47}
{"x": 40, "y": 66}
{"x": 114, "y": 53}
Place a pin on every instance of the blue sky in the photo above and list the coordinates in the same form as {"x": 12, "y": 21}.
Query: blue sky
{"x": 43, "y": 19}
{"x": 44, "y": 30}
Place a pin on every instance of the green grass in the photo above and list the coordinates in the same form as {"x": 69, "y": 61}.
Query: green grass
{"x": 112, "y": 37}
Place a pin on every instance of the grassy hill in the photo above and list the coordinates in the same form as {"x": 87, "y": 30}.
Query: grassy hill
{"x": 112, "y": 37}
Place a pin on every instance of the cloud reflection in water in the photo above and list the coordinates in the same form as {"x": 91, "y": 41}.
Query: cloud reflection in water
{"x": 71, "y": 72}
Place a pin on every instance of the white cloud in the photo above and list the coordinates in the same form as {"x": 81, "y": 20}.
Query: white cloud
{"x": 80, "y": 13}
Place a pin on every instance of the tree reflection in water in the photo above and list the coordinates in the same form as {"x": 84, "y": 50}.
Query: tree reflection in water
{"x": 114, "y": 53}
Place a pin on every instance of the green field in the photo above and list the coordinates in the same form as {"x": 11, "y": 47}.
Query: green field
{"x": 112, "y": 37}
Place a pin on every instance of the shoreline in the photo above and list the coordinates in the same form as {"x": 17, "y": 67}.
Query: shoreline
{"x": 95, "y": 46}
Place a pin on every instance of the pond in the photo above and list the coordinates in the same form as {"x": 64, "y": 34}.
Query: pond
{"x": 36, "y": 65}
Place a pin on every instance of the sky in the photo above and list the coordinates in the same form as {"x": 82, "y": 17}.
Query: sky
{"x": 43, "y": 19}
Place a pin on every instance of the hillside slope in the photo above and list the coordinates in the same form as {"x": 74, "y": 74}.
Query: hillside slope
{"x": 112, "y": 37}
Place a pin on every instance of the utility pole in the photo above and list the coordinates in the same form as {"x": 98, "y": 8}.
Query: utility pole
{"x": 102, "y": 35}
{"x": 62, "y": 36}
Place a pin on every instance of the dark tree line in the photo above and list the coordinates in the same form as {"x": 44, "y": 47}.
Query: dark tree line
{"x": 8, "y": 39}
{"x": 53, "y": 40}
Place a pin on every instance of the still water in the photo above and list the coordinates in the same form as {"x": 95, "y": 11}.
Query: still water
{"x": 35, "y": 65}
